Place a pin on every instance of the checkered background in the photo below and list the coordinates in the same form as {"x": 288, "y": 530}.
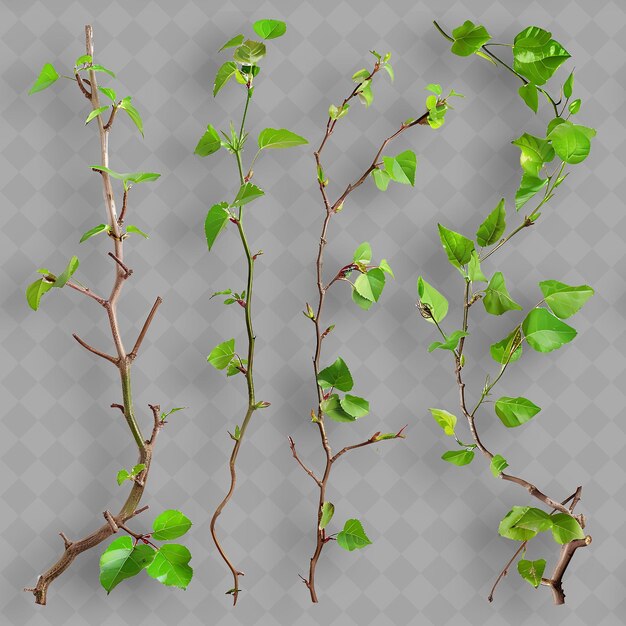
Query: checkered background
{"x": 436, "y": 550}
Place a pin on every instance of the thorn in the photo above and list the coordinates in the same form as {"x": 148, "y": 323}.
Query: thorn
{"x": 399, "y": 433}
{"x": 66, "y": 541}
{"x": 118, "y": 406}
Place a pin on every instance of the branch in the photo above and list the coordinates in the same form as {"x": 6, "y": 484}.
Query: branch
{"x": 95, "y": 351}
{"x": 120, "y": 219}
{"x": 292, "y": 445}
{"x": 556, "y": 582}
{"x": 371, "y": 440}
{"x": 158, "y": 422}
{"x": 87, "y": 292}
{"x": 133, "y": 353}
{"x": 108, "y": 125}
{"x": 126, "y": 269}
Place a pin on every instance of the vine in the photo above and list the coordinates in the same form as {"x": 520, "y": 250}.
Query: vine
{"x": 544, "y": 161}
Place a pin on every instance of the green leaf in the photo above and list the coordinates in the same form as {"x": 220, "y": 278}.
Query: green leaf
{"x": 431, "y": 298}
{"x": 137, "y": 469}
{"x": 458, "y": 248}
{"x": 458, "y": 457}
{"x": 336, "y": 375}
{"x": 128, "y": 178}
{"x": 498, "y": 465}
{"x": 497, "y": 299}
{"x": 352, "y": 537}
{"x": 545, "y": 332}
{"x": 360, "y": 76}
{"x": 247, "y": 193}
{"x": 95, "y": 231}
{"x": 363, "y": 254}
{"x": 270, "y": 29}
{"x": 171, "y": 566}
{"x": 279, "y": 138}
{"x": 501, "y": 350}
{"x": 435, "y": 88}
{"x": 101, "y": 68}
{"x": 490, "y": 231}
{"x": 529, "y": 186}
{"x": 531, "y": 571}
{"x": 122, "y": 476}
{"x": 209, "y": 143}
{"x": 233, "y": 366}
{"x": 574, "y": 106}
{"x": 222, "y": 354}
{"x": 48, "y": 76}
{"x": 381, "y": 178}
{"x": 401, "y": 168}
{"x": 166, "y": 414}
{"x": 474, "y": 272}
{"x": 534, "y": 519}
{"x": 365, "y": 94}
{"x": 249, "y": 52}
{"x": 121, "y": 560}
{"x": 237, "y": 40}
{"x": 528, "y": 93}
{"x": 216, "y": 220}
{"x": 84, "y": 59}
{"x": 328, "y": 510}
{"x": 469, "y": 38}
{"x": 389, "y": 69}
{"x": 568, "y": 86}
{"x": 565, "y": 528}
{"x": 332, "y": 407}
{"x": 536, "y": 55}
{"x": 125, "y": 104}
{"x": 35, "y": 290}
{"x": 515, "y": 411}
{"x": 451, "y": 342}
{"x": 446, "y": 420}
{"x": 133, "y": 229}
{"x": 354, "y": 406}
{"x": 535, "y": 153}
{"x": 508, "y": 528}
{"x": 109, "y": 93}
{"x": 385, "y": 267}
{"x": 170, "y": 524}
{"x": 370, "y": 285}
{"x": 224, "y": 74}
{"x": 62, "y": 278}
{"x": 571, "y": 142}
{"x": 95, "y": 113}
{"x": 564, "y": 300}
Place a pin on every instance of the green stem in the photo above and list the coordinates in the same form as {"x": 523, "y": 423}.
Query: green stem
{"x": 129, "y": 413}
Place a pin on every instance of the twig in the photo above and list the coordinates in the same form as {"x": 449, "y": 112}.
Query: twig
{"x": 95, "y": 351}
{"x": 133, "y": 353}
{"x": 310, "y": 472}
{"x": 124, "y": 267}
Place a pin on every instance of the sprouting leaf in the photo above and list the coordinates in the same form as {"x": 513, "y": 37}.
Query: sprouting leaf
{"x": 574, "y": 106}
{"x": 381, "y": 178}
{"x": 458, "y": 457}
{"x": 564, "y": 300}
{"x": 469, "y": 38}
{"x": 66, "y": 274}
{"x": 170, "y": 524}
{"x": 84, "y": 59}
{"x": 209, "y": 143}
{"x": 122, "y": 560}
{"x": 571, "y": 142}
{"x": 446, "y": 420}
{"x": 328, "y": 510}
{"x": 137, "y": 469}
{"x": 515, "y": 411}
{"x": 401, "y": 168}
{"x": 536, "y": 55}
{"x": 133, "y": 229}
{"x": 389, "y": 69}
{"x": 95, "y": 113}
{"x": 565, "y": 528}
{"x": 385, "y": 267}
{"x": 249, "y": 52}
{"x": 363, "y": 254}
{"x": 122, "y": 476}
{"x": 529, "y": 186}
{"x": 474, "y": 271}
{"x": 501, "y": 350}
{"x": 369, "y": 286}
{"x": 528, "y": 93}
{"x": 508, "y": 528}
{"x": 126, "y": 105}
{"x": 216, "y": 220}
{"x": 532, "y": 571}
{"x": 545, "y": 332}
{"x": 435, "y": 88}
{"x": 101, "y": 68}
{"x": 535, "y": 153}
{"x": 222, "y": 354}
{"x": 270, "y": 29}
{"x": 109, "y": 93}
{"x": 35, "y": 291}
{"x": 458, "y": 248}
{"x": 451, "y": 341}
{"x": 497, "y": 299}
{"x": 498, "y": 465}
{"x": 431, "y": 298}
{"x": 352, "y": 537}
{"x": 224, "y": 74}
{"x": 332, "y": 407}
{"x": 237, "y": 40}
{"x": 166, "y": 414}
{"x": 171, "y": 566}
{"x": 490, "y": 231}
{"x": 534, "y": 519}
{"x": 101, "y": 228}
{"x": 247, "y": 193}
{"x": 354, "y": 406}
{"x": 48, "y": 76}
{"x": 568, "y": 86}
{"x": 279, "y": 138}
{"x": 336, "y": 375}
{"x": 128, "y": 178}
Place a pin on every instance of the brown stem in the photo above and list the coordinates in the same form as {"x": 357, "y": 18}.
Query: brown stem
{"x": 126, "y": 269}
{"x": 133, "y": 353}
{"x": 122, "y": 217}
{"x": 95, "y": 351}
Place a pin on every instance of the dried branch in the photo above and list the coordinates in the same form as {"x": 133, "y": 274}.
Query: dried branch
{"x": 95, "y": 351}
{"x": 133, "y": 353}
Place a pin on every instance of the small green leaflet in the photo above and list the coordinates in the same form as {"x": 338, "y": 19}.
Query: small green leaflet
{"x": 84, "y": 59}
{"x": 535, "y": 153}
{"x": 434, "y": 88}
{"x": 95, "y": 113}
{"x": 222, "y": 354}
{"x": 451, "y": 342}
{"x": 249, "y": 52}
{"x": 571, "y": 142}
{"x": 498, "y": 465}
{"x": 529, "y": 186}
{"x": 369, "y": 286}
{"x": 401, "y": 168}
{"x": 574, "y": 106}
{"x": 531, "y": 571}
{"x": 335, "y": 113}
{"x": 385, "y": 267}
{"x": 224, "y": 74}
{"x": 508, "y": 528}
{"x": 128, "y": 178}
{"x": 490, "y": 231}
{"x": 237, "y": 40}
{"x": 209, "y": 143}
{"x": 515, "y": 411}
{"x": 469, "y": 38}
{"x": 95, "y": 231}
{"x": 171, "y": 566}
{"x": 332, "y": 407}
{"x": 166, "y": 414}
{"x": 170, "y": 524}
{"x": 66, "y": 274}
{"x": 270, "y": 138}
{"x": 431, "y": 298}
{"x": 126, "y": 105}
{"x": 501, "y": 350}
{"x": 270, "y": 29}
{"x": 247, "y": 193}
{"x": 536, "y": 55}
{"x": 568, "y": 86}
{"x": 458, "y": 248}
{"x": 545, "y": 332}
{"x": 355, "y": 406}
{"x": 565, "y": 528}
{"x": 352, "y": 537}
{"x": 122, "y": 476}
{"x": 336, "y": 375}
{"x": 534, "y": 519}
{"x": 363, "y": 254}
{"x": 528, "y": 93}
{"x": 474, "y": 271}
{"x": 564, "y": 300}
{"x": 101, "y": 68}
{"x": 133, "y": 229}
{"x": 497, "y": 299}
{"x": 121, "y": 560}
{"x": 109, "y": 93}
{"x": 458, "y": 457}
{"x": 327, "y": 512}
{"x": 446, "y": 420}
{"x": 35, "y": 291}
{"x": 365, "y": 93}
{"x": 48, "y": 76}
{"x": 216, "y": 219}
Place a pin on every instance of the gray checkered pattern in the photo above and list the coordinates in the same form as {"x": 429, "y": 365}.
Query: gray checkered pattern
{"x": 435, "y": 550}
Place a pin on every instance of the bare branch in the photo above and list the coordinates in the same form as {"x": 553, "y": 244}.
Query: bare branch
{"x": 133, "y": 353}
{"x": 292, "y": 445}
{"x": 126, "y": 269}
{"x": 95, "y": 351}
